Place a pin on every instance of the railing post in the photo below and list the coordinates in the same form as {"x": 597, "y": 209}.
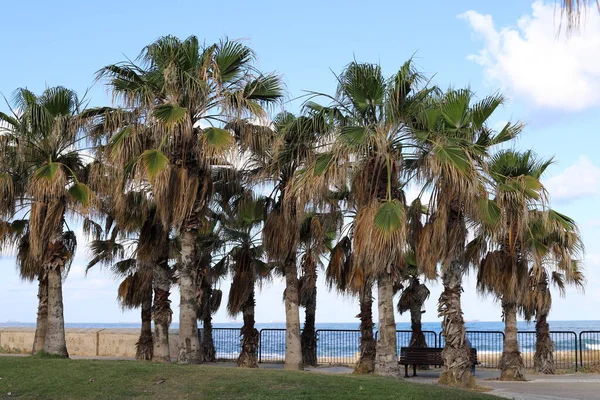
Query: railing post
{"x": 260, "y": 346}
{"x": 575, "y": 335}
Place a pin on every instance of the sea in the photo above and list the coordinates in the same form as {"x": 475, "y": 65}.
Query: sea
{"x": 343, "y": 338}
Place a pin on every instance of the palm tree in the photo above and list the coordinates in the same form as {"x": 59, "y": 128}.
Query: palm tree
{"x": 276, "y": 154}
{"x": 244, "y": 258}
{"x": 209, "y": 305}
{"x": 369, "y": 114}
{"x": 416, "y": 293}
{"x": 120, "y": 135}
{"x": 412, "y": 299}
{"x": 316, "y": 234}
{"x": 555, "y": 245}
{"x": 132, "y": 250}
{"x": 41, "y": 179}
{"x": 504, "y": 270}
{"x": 134, "y": 291}
{"x": 181, "y": 90}
{"x": 453, "y": 140}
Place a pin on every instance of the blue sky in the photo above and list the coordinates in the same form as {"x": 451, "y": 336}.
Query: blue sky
{"x": 553, "y": 85}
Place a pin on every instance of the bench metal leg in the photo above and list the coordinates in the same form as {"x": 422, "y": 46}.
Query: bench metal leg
{"x": 414, "y": 369}
{"x": 406, "y": 370}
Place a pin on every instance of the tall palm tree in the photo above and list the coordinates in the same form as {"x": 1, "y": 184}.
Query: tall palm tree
{"x": 504, "y": 270}
{"x": 41, "y": 179}
{"x": 555, "y": 247}
{"x": 277, "y": 152}
{"x": 370, "y": 115}
{"x": 120, "y": 135}
{"x": 452, "y": 141}
{"x": 184, "y": 92}
{"x": 131, "y": 246}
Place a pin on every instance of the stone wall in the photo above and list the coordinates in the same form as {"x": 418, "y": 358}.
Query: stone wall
{"x": 83, "y": 342}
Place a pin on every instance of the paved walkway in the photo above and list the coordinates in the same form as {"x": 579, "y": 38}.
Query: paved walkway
{"x": 577, "y": 386}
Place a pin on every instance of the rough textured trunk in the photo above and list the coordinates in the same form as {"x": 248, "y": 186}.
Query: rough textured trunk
{"x": 511, "y": 362}
{"x": 209, "y": 353}
{"x": 417, "y": 338}
{"x": 42, "y": 314}
{"x": 309, "y": 335}
{"x": 144, "y": 346}
{"x": 250, "y": 337}
{"x": 386, "y": 359}
{"x": 456, "y": 355}
{"x": 366, "y": 361}
{"x": 293, "y": 347}
{"x": 161, "y": 310}
{"x": 189, "y": 345}
{"x": 544, "y": 346}
{"x": 55, "y": 342}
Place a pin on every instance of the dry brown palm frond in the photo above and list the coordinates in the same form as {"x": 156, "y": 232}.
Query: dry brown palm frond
{"x": 279, "y": 236}
{"x": 45, "y": 188}
{"x": 252, "y": 137}
{"x": 338, "y": 271}
{"x": 45, "y": 221}
{"x": 374, "y": 247}
{"x": 7, "y": 194}
{"x": 415, "y": 294}
{"x": 132, "y": 291}
{"x": 430, "y": 249}
{"x": 308, "y": 281}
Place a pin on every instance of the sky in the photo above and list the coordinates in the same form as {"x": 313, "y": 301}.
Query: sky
{"x": 515, "y": 47}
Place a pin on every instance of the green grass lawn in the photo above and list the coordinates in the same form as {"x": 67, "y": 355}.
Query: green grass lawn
{"x": 34, "y": 378}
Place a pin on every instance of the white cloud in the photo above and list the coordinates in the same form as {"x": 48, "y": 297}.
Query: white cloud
{"x": 579, "y": 180}
{"x": 534, "y": 62}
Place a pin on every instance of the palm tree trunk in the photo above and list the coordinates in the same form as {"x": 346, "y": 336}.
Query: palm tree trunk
{"x": 293, "y": 347}
{"x": 55, "y": 342}
{"x": 386, "y": 359}
{"x": 189, "y": 345}
{"x": 366, "y": 361}
{"x": 41, "y": 325}
{"x": 250, "y": 336}
{"x": 209, "y": 353}
{"x": 511, "y": 363}
{"x": 544, "y": 346}
{"x": 456, "y": 355}
{"x": 417, "y": 338}
{"x": 161, "y": 310}
{"x": 144, "y": 346}
{"x": 309, "y": 335}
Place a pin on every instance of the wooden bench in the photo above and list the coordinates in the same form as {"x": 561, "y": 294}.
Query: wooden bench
{"x": 425, "y": 356}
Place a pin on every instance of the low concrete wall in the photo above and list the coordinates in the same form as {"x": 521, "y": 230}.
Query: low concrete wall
{"x": 83, "y": 342}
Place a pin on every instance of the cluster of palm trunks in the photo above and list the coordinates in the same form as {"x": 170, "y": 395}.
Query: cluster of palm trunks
{"x": 188, "y": 179}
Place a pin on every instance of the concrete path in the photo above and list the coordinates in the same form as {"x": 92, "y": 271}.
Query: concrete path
{"x": 578, "y": 386}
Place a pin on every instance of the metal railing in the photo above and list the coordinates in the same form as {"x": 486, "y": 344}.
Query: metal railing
{"x": 271, "y": 346}
{"x": 227, "y": 343}
{"x": 564, "y": 344}
{"x": 589, "y": 349}
{"x": 334, "y": 346}
{"x": 338, "y": 346}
